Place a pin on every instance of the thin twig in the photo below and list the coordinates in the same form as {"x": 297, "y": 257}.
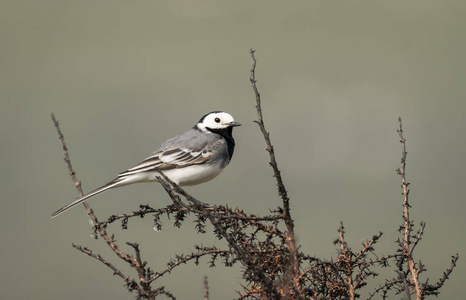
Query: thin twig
{"x": 291, "y": 240}
{"x": 101, "y": 230}
{"x": 131, "y": 283}
{"x": 273, "y": 162}
{"x": 206, "y": 289}
{"x": 71, "y": 172}
{"x": 407, "y": 223}
{"x": 433, "y": 289}
{"x": 184, "y": 259}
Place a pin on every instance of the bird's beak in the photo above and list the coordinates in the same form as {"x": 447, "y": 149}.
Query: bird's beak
{"x": 234, "y": 124}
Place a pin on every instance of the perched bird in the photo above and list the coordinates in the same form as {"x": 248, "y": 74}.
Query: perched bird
{"x": 192, "y": 157}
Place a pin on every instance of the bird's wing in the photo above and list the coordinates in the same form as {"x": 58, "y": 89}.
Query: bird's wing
{"x": 172, "y": 158}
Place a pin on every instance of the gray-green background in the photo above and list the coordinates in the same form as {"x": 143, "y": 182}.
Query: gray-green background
{"x": 123, "y": 76}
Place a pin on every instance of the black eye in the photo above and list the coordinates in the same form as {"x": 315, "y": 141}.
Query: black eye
{"x": 217, "y": 120}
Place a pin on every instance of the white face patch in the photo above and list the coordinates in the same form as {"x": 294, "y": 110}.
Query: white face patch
{"x": 218, "y": 120}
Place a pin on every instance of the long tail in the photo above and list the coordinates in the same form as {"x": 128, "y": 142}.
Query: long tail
{"x": 111, "y": 184}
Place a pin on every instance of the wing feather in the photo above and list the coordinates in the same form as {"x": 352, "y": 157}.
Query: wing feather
{"x": 169, "y": 159}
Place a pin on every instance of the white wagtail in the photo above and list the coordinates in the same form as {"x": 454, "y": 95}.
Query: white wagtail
{"x": 192, "y": 157}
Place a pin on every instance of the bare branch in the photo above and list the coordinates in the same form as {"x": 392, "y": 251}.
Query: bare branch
{"x": 206, "y": 289}
{"x": 100, "y": 229}
{"x": 71, "y": 172}
{"x": 130, "y": 283}
{"x": 407, "y": 223}
{"x": 429, "y": 289}
{"x": 291, "y": 240}
{"x": 183, "y": 259}
{"x": 273, "y": 163}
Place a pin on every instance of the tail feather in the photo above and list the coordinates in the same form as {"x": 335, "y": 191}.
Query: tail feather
{"x": 111, "y": 184}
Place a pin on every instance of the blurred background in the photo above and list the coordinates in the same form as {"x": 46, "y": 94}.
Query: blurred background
{"x": 123, "y": 76}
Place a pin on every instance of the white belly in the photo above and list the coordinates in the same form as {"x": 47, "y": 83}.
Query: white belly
{"x": 193, "y": 175}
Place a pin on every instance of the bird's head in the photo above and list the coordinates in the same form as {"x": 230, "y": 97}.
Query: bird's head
{"x": 216, "y": 120}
